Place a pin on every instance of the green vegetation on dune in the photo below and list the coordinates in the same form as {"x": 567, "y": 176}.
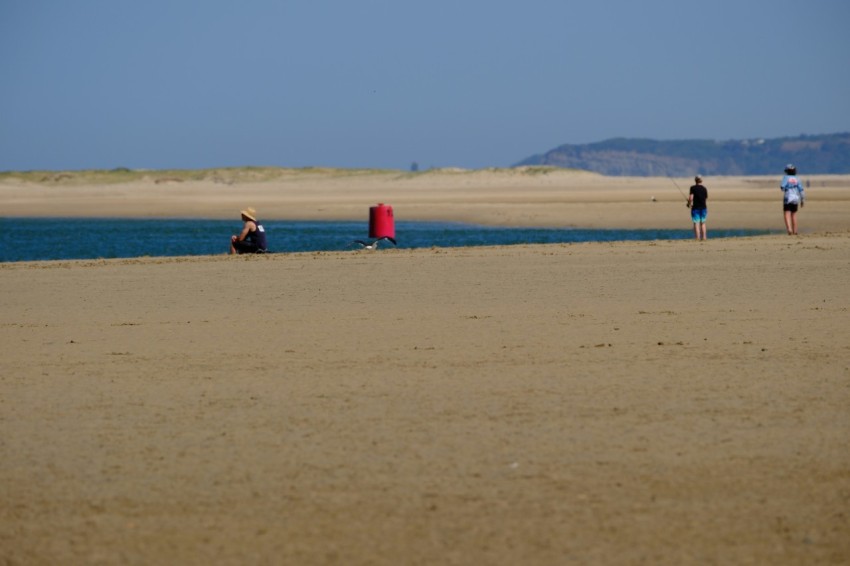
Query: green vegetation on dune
{"x": 228, "y": 175}
{"x": 233, "y": 175}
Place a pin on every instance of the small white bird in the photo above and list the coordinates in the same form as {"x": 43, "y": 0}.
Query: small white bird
{"x": 373, "y": 245}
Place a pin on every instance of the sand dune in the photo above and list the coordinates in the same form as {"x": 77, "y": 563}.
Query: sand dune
{"x": 529, "y": 197}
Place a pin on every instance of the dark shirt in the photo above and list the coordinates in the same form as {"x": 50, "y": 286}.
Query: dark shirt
{"x": 258, "y": 236}
{"x": 700, "y": 196}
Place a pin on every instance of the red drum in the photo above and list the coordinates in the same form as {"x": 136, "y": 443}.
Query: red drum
{"x": 381, "y": 221}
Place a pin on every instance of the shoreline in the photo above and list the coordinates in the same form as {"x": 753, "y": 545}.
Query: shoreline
{"x": 297, "y": 239}
{"x": 224, "y": 256}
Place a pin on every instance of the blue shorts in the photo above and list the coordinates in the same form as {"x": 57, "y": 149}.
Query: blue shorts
{"x": 698, "y": 215}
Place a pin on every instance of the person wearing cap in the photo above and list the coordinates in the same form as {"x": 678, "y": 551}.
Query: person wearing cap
{"x": 252, "y": 239}
{"x": 699, "y": 209}
{"x": 794, "y": 197}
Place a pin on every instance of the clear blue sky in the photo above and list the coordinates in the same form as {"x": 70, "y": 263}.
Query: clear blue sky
{"x": 383, "y": 83}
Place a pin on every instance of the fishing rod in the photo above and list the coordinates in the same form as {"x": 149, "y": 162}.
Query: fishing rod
{"x": 681, "y": 192}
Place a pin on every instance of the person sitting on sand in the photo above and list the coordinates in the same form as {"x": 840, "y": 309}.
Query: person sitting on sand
{"x": 699, "y": 209}
{"x": 252, "y": 240}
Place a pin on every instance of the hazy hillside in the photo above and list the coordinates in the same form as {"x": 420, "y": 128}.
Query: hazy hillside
{"x": 819, "y": 154}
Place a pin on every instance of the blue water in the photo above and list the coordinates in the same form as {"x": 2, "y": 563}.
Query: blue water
{"x": 35, "y": 239}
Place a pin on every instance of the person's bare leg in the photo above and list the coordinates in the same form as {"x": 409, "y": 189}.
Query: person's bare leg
{"x": 703, "y": 230}
{"x": 696, "y": 230}
{"x": 788, "y": 222}
{"x": 794, "y": 223}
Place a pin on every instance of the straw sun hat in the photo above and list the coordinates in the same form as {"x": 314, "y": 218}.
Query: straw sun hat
{"x": 249, "y": 213}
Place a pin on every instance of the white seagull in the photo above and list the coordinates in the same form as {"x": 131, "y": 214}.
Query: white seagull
{"x": 373, "y": 245}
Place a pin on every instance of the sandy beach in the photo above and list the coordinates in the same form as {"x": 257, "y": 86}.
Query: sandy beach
{"x": 668, "y": 402}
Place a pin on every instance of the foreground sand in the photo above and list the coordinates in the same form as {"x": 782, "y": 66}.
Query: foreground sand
{"x": 657, "y": 403}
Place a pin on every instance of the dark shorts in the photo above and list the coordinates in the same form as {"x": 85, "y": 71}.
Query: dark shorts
{"x": 789, "y": 207}
{"x": 244, "y": 247}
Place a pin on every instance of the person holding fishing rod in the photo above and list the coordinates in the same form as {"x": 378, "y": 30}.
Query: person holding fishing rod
{"x": 699, "y": 209}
